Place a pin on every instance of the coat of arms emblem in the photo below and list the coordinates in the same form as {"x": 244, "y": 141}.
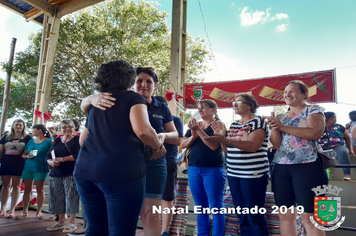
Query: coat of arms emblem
{"x": 327, "y": 210}
{"x": 197, "y": 93}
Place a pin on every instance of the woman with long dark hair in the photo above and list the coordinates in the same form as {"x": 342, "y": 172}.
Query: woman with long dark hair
{"x": 36, "y": 169}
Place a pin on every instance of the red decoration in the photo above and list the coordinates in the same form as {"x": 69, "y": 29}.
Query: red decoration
{"x": 169, "y": 95}
{"x": 43, "y": 115}
{"x": 268, "y": 91}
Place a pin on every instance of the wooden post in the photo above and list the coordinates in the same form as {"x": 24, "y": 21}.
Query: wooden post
{"x": 46, "y": 64}
{"x": 178, "y": 51}
{"x": 5, "y": 103}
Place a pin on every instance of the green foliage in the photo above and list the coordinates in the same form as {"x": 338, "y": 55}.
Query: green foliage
{"x": 112, "y": 30}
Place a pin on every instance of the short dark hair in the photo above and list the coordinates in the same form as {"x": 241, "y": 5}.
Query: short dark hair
{"x": 250, "y": 101}
{"x": 115, "y": 75}
{"x": 352, "y": 115}
{"x": 329, "y": 114}
{"x": 149, "y": 71}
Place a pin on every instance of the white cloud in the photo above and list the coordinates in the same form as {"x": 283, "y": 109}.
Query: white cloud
{"x": 248, "y": 18}
{"x": 281, "y": 27}
{"x": 228, "y": 68}
{"x": 281, "y": 16}
{"x": 252, "y": 18}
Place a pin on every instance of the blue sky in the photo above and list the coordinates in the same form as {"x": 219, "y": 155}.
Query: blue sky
{"x": 254, "y": 39}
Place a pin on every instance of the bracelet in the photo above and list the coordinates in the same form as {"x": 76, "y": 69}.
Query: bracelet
{"x": 229, "y": 142}
{"x": 165, "y": 138}
{"x": 62, "y": 159}
{"x": 159, "y": 149}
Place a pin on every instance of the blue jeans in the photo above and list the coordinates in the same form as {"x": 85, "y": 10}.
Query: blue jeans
{"x": 111, "y": 208}
{"x": 342, "y": 154}
{"x": 250, "y": 193}
{"x": 207, "y": 185}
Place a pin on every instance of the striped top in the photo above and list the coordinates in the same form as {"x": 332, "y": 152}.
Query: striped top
{"x": 243, "y": 164}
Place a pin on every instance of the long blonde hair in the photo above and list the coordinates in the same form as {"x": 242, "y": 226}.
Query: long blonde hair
{"x": 12, "y": 132}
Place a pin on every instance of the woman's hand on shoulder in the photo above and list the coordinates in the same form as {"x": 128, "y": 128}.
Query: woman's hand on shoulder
{"x": 103, "y": 100}
{"x": 100, "y": 100}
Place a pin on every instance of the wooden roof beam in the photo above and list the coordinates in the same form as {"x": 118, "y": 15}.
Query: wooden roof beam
{"x": 75, "y": 6}
{"x": 43, "y": 6}
{"x": 33, "y": 16}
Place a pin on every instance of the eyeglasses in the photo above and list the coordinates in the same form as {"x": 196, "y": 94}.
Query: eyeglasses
{"x": 67, "y": 127}
{"x": 234, "y": 103}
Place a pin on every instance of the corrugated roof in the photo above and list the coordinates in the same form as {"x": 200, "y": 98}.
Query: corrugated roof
{"x": 20, "y": 7}
{"x": 30, "y": 12}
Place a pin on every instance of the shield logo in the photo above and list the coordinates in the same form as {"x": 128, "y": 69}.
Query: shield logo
{"x": 327, "y": 210}
{"x": 197, "y": 93}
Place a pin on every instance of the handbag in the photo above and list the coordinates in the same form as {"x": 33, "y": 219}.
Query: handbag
{"x": 185, "y": 157}
{"x": 327, "y": 158}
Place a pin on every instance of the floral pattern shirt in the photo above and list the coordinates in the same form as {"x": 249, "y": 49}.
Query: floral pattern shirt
{"x": 295, "y": 150}
{"x": 333, "y": 137}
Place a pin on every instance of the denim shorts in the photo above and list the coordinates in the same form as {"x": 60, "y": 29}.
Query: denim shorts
{"x": 35, "y": 175}
{"x": 156, "y": 176}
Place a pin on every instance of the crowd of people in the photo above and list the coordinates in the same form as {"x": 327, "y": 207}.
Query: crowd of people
{"x": 124, "y": 162}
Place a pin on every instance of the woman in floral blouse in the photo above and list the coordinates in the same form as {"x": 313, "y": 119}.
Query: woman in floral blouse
{"x": 297, "y": 170}
{"x": 336, "y": 137}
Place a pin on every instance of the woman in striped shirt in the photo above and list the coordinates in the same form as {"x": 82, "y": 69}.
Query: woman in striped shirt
{"x": 247, "y": 163}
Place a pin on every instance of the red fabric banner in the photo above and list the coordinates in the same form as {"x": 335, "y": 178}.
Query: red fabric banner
{"x": 268, "y": 91}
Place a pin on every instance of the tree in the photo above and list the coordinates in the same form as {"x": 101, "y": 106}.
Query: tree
{"x": 115, "y": 29}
